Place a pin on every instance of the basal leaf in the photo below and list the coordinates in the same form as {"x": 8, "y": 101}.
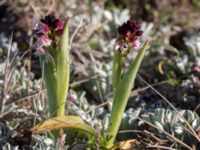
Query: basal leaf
{"x": 64, "y": 122}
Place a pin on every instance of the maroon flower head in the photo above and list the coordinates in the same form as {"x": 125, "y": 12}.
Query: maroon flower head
{"x": 50, "y": 20}
{"x": 47, "y": 31}
{"x": 129, "y": 28}
{"x": 53, "y": 23}
{"x": 129, "y": 33}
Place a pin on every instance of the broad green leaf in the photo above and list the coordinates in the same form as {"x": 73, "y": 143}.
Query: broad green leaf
{"x": 50, "y": 81}
{"x": 62, "y": 69}
{"x": 64, "y": 122}
{"x": 122, "y": 94}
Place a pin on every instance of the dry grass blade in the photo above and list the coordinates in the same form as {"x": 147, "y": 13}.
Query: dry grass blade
{"x": 172, "y": 138}
{"x": 170, "y": 104}
{"x": 135, "y": 92}
{"x": 74, "y": 84}
{"x": 198, "y": 106}
{"x": 160, "y": 147}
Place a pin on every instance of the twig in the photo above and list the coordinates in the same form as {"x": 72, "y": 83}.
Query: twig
{"x": 135, "y": 92}
{"x": 143, "y": 132}
{"x": 83, "y": 81}
{"x": 155, "y": 137}
{"x": 160, "y": 147}
{"x": 198, "y": 106}
{"x": 32, "y": 94}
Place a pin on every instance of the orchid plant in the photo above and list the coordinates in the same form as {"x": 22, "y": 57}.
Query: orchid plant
{"x": 123, "y": 82}
{"x": 52, "y": 49}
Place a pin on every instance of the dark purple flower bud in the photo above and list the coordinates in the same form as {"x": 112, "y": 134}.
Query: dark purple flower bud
{"x": 138, "y": 32}
{"x": 122, "y": 30}
{"x": 131, "y": 27}
{"x": 51, "y": 21}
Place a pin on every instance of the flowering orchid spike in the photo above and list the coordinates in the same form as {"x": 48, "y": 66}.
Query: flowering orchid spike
{"x": 47, "y": 32}
{"x": 129, "y": 37}
{"x": 52, "y": 48}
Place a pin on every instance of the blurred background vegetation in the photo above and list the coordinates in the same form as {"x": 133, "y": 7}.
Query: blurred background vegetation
{"x": 171, "y": 65}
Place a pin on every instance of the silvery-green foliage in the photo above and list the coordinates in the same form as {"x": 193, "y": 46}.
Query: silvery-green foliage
{"x": 116, "y": 17}
{"x": 188, "y": 92}
{"x": 170, "y": 122}
{"x": 5, "y": 133}
{"x": 189, "y": 54}
{"x": 45, "y": 143}
{"x": 148, "y": 29}
{"x": 78, "y": 105}
{"x": 97, "y": 16}
{"x": 9, "y": 147}
{"x": 192, "y": 41}
{"x": 129, "y": 120}
{"x": 101, "y": 86}
{"x": 21, "y": 81}
{"x": 182, "y": 62}
{"x": 5, "y": 45}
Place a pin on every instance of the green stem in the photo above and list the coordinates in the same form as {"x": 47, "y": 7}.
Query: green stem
{"x": 122, "y": 94}
{"x": 117, "y": 66}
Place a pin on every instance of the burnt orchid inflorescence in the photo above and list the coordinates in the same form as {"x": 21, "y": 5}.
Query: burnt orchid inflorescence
{"x": 47, "y": 31}
{"x": 129, "y": 37}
